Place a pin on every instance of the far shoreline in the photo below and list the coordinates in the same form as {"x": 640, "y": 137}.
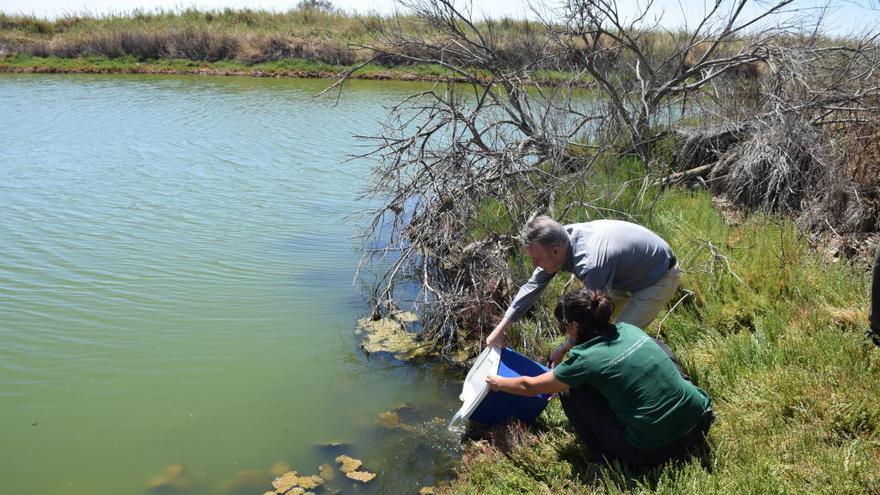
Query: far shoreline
{"x": 50, "y": 65}
{"x": 291, "y": 69}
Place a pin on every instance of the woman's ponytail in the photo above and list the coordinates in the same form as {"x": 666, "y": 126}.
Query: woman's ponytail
{"x": 604, "y": 308}
{"x": 590, "y": 309}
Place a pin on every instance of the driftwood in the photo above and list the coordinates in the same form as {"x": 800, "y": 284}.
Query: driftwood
{"x": 686, "y": 175}
{"x": 697, "y": 147}
{"x": 698, "y": 150}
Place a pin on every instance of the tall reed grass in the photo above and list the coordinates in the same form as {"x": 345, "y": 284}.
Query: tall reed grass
{"x": 246, "y": 36}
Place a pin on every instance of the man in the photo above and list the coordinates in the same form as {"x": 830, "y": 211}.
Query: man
{"x": 874, "y": 317}
{"x": 621, "y": 257}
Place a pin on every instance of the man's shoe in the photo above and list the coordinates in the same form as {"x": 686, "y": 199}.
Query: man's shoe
{"x": 874, "y": 335}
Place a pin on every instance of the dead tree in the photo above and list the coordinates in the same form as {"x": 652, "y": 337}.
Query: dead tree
{"x": 786, "y": 92}
{"x": 461, "y": 166}
{"x": 817, "y": 93}
{"x": 645, "y": 70}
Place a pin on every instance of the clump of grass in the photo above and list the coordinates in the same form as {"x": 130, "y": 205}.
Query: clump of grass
{"x": 766, "y": 326}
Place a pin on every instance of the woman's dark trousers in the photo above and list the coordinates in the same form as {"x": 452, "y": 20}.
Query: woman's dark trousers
{"x": 598, "y": 427}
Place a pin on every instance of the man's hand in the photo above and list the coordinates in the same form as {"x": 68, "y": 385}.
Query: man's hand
{"x": 494, "y": 382}
{"x": 496, "y": 338}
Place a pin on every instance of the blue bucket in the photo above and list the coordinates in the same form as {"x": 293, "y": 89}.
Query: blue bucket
{"x": 500, "y": 407}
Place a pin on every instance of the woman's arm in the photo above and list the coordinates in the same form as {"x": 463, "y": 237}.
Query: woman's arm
{"x": 527, "y": 385}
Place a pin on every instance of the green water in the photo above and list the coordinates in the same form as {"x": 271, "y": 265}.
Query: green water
{"x": 176, "y": 288}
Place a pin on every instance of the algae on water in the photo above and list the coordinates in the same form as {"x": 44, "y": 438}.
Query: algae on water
{"x": 362, "y": 476}
{"x": 389, "y": 420}
{"x": 279, "y": 468}
{"x": 172, "y": 478}
{"x": 348, "y": 464}
{"x": 327, "y": 472}
{"x": 390, "y": 335}
{"x": 405, "y": 316}
{"x": 246, "y": 480}
{"x": 291, "y": 482}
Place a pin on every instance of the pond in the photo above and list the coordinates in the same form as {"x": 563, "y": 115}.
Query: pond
{"x": 176, "y": 290}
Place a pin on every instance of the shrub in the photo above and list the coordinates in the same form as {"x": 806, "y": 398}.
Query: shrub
{"x": 201, "y": 45}
{"x": 143, "y": 45}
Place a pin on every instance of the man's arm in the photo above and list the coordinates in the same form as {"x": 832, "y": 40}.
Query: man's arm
{"x": 523, "y": 300}
{"x": 546, "y": 383}
{"x": 496, "y": 338}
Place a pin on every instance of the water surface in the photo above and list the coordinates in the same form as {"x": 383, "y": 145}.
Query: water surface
{"x": 176, "y": 287}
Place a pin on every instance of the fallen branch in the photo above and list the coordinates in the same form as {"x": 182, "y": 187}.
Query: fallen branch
{"x": 685, "y": 175}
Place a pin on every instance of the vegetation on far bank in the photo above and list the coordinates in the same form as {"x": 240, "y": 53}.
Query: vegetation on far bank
{"x": 314, "y": 33}
{"x": 248, "y": 36}
{"x": 280, "y": 68}
{"x": 293, "y": 67}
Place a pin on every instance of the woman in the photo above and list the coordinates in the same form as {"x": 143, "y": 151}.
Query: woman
{"x": 626, "y": 395}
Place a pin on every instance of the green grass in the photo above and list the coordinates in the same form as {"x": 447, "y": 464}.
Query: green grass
{"x": 770, "y": 329}
{"x": 285, "y": 67}
{"x": 279, "y": 67}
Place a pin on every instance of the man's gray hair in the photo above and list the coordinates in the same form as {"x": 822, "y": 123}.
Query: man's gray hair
{"x": 545, "y": 232}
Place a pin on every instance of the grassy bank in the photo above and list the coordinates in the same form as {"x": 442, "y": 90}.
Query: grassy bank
{"x": 770, "y": 329}
{"x": 280, "y": 68}
{"x": 249, "y": 36}
{"x": 28, "y": 64}
{"x": 242, "y": 42}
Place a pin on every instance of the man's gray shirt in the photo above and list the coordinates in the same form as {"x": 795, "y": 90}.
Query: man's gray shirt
{"x": 603, "y": 254}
